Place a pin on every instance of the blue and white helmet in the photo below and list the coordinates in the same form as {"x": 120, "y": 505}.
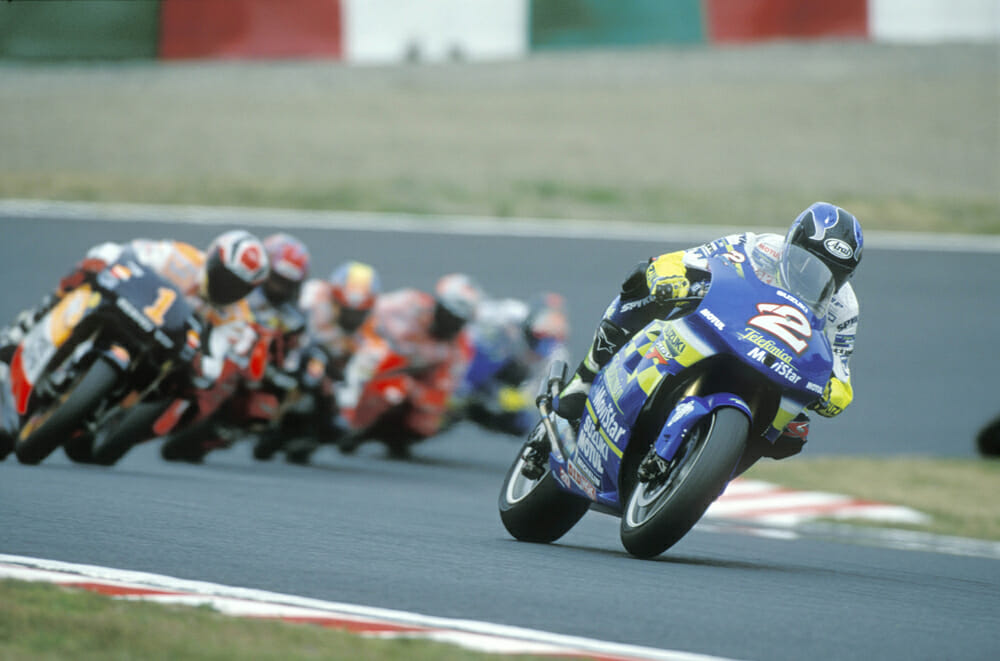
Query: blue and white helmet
{"x": 831, "y": 234}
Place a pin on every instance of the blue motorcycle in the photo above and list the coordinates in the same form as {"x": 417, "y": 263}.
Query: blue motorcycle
{"x": 669, "y": 418}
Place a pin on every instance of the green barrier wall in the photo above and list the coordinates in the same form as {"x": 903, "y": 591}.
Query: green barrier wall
{"x": 581, "y": 23}
{"x": 97, "y": 29}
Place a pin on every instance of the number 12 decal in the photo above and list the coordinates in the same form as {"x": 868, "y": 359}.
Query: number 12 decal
{"x": 784, "y": 322}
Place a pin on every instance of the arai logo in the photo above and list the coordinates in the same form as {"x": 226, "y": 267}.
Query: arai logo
{"x": 838, "y": 248}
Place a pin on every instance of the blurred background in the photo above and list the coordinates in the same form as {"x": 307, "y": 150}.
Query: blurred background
{"x": 693, "y": 111}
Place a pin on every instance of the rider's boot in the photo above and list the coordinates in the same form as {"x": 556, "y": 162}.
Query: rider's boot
{"x": 609, "y": 338}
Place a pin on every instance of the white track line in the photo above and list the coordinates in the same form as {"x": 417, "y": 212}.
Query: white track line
{"x": 464, "y": 225}
{"x": 376, "y": 622}
{"x": 762, "y": 502}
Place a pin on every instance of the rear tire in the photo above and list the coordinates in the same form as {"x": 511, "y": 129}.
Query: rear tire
{"x": 62, "y": 417}
{"x": 537, "y": 510}
{"x": 988, "y": 440}
{"x": 658, "y": 514}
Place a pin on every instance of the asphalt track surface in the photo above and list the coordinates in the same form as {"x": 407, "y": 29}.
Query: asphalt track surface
{"x": 423, "y": 535}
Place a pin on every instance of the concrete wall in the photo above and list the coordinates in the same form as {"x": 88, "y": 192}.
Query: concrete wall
{"x": 385, "y": 31}
{"x": 934, "y": 20}
{"x": 434, "y": 30}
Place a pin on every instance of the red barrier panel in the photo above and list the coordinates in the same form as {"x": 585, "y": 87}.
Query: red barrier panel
{"x": 250, "y": 28}
{"x": 755, "y": 20}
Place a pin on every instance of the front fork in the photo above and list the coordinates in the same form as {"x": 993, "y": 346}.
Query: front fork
{"x": 548, "y": 390}
{"x": 685, "y": 416}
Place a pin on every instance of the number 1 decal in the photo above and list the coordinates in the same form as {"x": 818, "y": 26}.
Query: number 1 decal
{"x": 164, "y": 299}
{"x": 784, "y": 322}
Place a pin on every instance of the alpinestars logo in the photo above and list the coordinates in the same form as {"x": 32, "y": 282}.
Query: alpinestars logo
{"x": 603, "y": 344}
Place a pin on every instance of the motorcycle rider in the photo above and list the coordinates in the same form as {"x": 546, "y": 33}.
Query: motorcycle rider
{"x": 431, "y": 330}
{"x": 652, "y": 287}
{"x": 215, "y": 282}
{"x": 337, "y": 308}
{"x": 514, "y": 342}
{"x": 274, "y": 313}
{"x": 275, "y": 302}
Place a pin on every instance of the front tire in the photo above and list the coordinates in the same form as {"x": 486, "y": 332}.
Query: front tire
{"x": 660, "y": 512}
{"x": 135, "y": 426}
{"x": 52, "y": 427}
{"x": 537, "y": 510}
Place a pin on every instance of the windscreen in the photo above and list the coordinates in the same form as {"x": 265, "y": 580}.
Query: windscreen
{"x": 807, "y": 278}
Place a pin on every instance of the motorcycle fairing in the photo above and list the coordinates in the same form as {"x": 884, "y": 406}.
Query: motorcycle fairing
{"x": 688, "y": 412}
{"x": 44, "y": 340}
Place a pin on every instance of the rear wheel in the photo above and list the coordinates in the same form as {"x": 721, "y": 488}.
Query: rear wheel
{"x": 537, "y": 510}
{"x": 662, "y": 510}
{"x": 48, "y": 429}
{"x": 988, "y": 439}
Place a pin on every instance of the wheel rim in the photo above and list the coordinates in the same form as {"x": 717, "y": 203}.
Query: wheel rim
{"x": 649, "y": 498}
{"x": 519, "y": 486}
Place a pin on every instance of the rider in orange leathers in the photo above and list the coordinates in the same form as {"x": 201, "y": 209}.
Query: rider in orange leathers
{"x": 430, "y": 330}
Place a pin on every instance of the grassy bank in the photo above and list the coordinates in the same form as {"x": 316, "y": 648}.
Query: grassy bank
{"x": 906, "y": 137}
{"x": 958, "y": 494}
{"x": 43, "y": 621}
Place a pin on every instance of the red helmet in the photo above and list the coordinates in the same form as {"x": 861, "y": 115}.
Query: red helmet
{"x": 354, "y": 286}
{"x": 235, "y": 263}
{"x": 289, "y": 260}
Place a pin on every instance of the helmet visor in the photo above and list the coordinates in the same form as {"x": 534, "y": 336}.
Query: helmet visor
{"x": 806, "y": 277}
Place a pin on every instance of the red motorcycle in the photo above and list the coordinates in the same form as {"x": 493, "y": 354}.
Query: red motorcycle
{"x": 383, "y": 388}
{"x": 245, "y": 397}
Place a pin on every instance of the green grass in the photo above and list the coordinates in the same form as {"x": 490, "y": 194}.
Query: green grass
{"x": 905, "y": 137}
{"x": 43, "y": 621}
{"x": 960, "y": 495}
{"x": 538, "y": 199}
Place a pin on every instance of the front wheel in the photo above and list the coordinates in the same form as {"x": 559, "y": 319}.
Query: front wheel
{"x": 48, "y": 429}
{"x": 661, "y": 511}
{"x": 537, "y": 510}
{"x": 133, "y": 426}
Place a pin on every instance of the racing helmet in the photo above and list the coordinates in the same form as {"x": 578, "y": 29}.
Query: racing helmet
{"x": 354, "y": 286}
{"x": 235, "y": 263}
{"x": 831, "y": 234}
{"x": 289, "y": 260}
{"x": 546, "y": 320}
{"x": 456, "y": 297}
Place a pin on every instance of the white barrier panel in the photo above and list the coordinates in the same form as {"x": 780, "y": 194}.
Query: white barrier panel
{"x": 384, "y": 31}
{"x": 934, "y": 20}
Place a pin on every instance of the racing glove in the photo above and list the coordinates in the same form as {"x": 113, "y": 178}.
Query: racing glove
{"x": 836, "y": 396}
{"x": 666, "y": 277}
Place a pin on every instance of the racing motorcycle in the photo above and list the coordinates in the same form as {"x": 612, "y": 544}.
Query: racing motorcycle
{"x": 380, "y": 387}
{"x": 669, "y": 418}
{"x": 306, "y": 405}
{"x": 126, "y": 337}
{"x": 246, "y": 396}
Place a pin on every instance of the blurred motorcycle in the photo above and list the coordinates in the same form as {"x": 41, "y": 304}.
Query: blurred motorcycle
{"x": 126, "y": 338}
